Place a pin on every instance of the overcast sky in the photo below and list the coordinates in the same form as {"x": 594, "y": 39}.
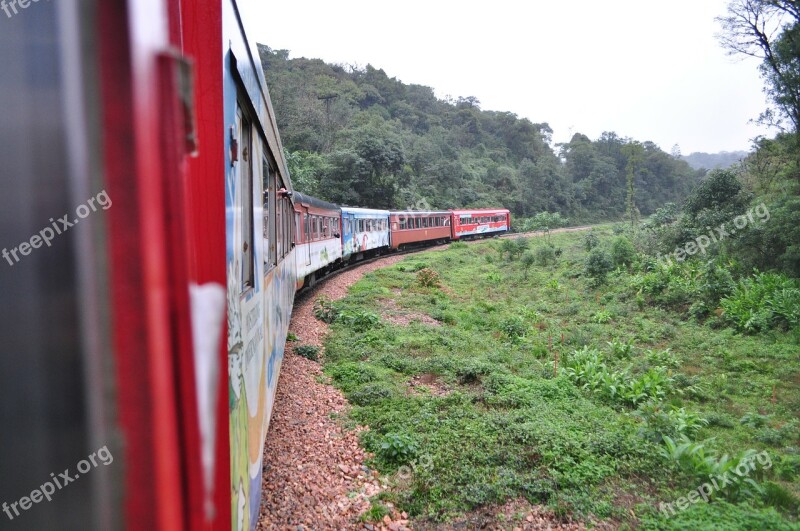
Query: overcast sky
{"x": 643, "y": 69}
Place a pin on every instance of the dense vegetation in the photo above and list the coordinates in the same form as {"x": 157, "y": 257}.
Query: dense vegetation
{"x": 356, "y": 136}
{"x": 568, "y": 371}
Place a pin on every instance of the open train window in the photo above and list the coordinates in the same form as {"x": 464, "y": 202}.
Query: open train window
{"x": 270, "y": 207}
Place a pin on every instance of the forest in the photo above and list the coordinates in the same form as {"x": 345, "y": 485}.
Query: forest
{"x": 356, "y": 136}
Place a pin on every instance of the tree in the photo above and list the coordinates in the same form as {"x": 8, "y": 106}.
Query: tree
{"x": 769, "y": 30}
{"x": 633, "y": 151}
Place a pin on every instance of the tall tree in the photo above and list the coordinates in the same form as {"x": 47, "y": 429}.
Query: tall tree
{"x": 769, "y": 30}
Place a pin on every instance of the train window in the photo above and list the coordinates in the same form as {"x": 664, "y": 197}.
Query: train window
{"x": 270, "y": 257}
{"x": 248, "y": 229}
{"x": 279, "y": 229}
{"x": 447, "y": 222}
{"x": 402, "y": 223}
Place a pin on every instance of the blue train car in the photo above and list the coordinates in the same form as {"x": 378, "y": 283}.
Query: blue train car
{"x": 364, "y": 231}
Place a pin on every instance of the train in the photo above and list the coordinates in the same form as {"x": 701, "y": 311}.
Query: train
{"x": 143, "y": 340}
{"x": 328, "y": 236}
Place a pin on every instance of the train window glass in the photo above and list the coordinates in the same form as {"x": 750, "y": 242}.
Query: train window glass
{"x": 306, "y": 227}
{"x": 246, "y": 175}
{"x": 288, "y": 215}
{"x": 402, "y": 223}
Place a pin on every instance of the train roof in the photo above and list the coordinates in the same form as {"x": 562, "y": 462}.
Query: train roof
{"x": 365, "y": 211}
{"x": 313, "y": 201}
{"x": 410, "y": 213}
{"x": 481, "y": 211}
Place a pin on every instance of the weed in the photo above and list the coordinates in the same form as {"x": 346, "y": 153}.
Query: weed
{"x": 309, "y": 352}
{"x": 428, "y": 278}
{"x": 324, "y": 309}
{"x": 398, "y": 448}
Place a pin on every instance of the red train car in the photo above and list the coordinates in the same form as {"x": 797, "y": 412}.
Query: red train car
{"x": 414, "y": 227}
{"x": 479, "y": 223}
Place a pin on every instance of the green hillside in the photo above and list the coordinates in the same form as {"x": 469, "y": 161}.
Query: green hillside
{"x": 356, "y": 136}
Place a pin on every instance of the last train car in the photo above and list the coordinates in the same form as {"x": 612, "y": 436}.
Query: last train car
{"x": 146, "y": 216}
{"x": 480, "y": 223}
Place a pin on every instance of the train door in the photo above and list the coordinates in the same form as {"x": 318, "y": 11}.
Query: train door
{"x": 307, "y": 229}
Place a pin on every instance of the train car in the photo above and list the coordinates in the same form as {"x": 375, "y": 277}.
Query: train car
{"x": 468, "y": 224}
{"x": 317, "y": 237}
{"x": 365, "y": 232}
{"x": 409, "y": 228}
{"x": 149, "y": 330}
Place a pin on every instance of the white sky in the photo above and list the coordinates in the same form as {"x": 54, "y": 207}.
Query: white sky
{"x": 643, "y": 69}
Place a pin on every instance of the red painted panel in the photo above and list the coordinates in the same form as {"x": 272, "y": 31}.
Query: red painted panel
{"x": 205, "y": 187}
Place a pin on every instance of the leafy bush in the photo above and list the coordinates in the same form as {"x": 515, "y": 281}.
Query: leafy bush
{"x": 358, "y": 320}
{"x": 670, "y": 422}
{"x": 663, "y": 358}
{"x": 763, "y": 301}
{"x": 598, "y": 264}
{"x": 471, "y": 371}
{"x": 694, "y": 459}
{"x": 324, "y": 309}
{"x": 514, "y": 327}
{"x": 371, "y": 393}
{"x": 590, "y": 240}
{"x": 622, "y": 251}
{"x": 428, "y": 278}
{"x": 621, "y": 349}
{"x": 398, "y": 448}
{"x": 544, "y": 255}
{"x": 602, "y": 317}
{"x": 309, "y": 352}
{"x": 528, "y": 259}
{"x": 754, "y": 420}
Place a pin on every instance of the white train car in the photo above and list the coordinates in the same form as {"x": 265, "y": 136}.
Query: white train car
{"x": 317, "y": 237}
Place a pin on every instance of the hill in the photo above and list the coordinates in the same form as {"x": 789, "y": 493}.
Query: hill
{"x": 712, "y": 161}
{"x": 356, "y": 136}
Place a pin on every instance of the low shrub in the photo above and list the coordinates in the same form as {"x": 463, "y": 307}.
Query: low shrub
{"x": 309, "y": 352}
{"x": 324, "y": 309}
{"x": 428, "y": 278}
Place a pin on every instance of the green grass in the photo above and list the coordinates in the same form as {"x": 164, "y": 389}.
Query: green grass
{"x": 585, "y": 438}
